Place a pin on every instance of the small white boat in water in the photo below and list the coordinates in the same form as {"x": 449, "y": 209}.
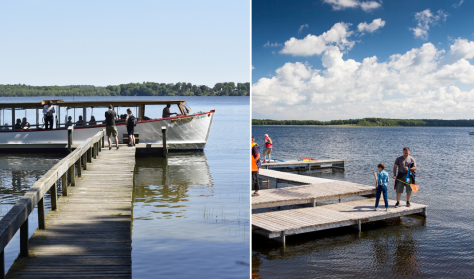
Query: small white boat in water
{"x": 185, "y": 131}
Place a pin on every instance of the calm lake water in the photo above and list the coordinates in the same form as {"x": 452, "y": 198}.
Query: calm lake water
{"x": 440, "y": 246}
{"x": 190, "y": 211}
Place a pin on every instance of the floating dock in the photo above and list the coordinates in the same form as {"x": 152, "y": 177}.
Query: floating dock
{"x": 318, "y": 164}
{"x": 318, "y": 190}
{"x": 89, "y": 233}
{"x": 278, "y": 224}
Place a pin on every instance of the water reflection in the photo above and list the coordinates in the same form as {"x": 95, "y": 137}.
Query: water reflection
{"x": 164, "y": 183}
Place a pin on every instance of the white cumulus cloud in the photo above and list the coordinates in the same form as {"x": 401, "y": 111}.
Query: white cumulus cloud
{"x": 457, "y": 5}
{"x": 376, "y": 24}
{"x": 312, "y": 44}
{"x": 366, "y": 6}
{"x": 415, "y": 84}
{"x": 426, "y": 19}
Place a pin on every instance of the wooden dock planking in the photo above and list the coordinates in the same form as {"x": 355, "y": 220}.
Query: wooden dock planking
{"x": 309, "y": 194}
{"x": 90, "y": 233}
{"x": 308, "y": 164}
{"x": 278, "y": 224}
{"x": 315, "y": 190}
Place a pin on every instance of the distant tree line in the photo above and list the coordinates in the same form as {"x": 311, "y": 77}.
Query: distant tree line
{"x": 372, "y": 122}
{"x": 130, "y": 89}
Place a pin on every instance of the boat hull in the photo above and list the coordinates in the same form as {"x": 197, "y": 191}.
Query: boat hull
{"x": 189, "y": 132}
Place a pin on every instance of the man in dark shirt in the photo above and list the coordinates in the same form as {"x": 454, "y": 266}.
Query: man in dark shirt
{"x": 110, "y": 117}
{"x": 405, "y": 164}
{"x": 166, "y": 111}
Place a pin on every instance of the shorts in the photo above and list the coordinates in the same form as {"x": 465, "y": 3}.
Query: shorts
{"x": 267, "y": 151}
{"x": 130, "y": 131}
{"x": 111, "y": 130}
{"x": 400, "y": 185}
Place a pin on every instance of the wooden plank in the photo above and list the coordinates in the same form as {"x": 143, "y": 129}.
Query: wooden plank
{"x": 89, "y": 234}
{"x": 336, "y": 215}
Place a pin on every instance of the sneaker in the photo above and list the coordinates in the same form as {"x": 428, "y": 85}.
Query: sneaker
{"x": 397, "y": 204}
{"x": 118, "y": 148}
{"x": 110, "y": 147}
{"x": 408, "y": 204}
{"x": 255, "y": 194}
{"x": 376, "y": 209}
{"x": 388, "y": 209}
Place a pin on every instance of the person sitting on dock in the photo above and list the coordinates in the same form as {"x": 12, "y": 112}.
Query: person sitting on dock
{"x": 268, "y": 148}
{"x": 402, "y": 163}
{"x": 48, "y": 112}
{"x": 69, "y": 122}
{"x": 382, "y": 180}
{"x": 92, "y": 122}
{"x": 79, "y": 122}
{"x": 18, "y": 124}
{"x": 110, "y": 117}
{"x": 166, "y": 111}
{"x": 256, "y": 164}
{"x": 24, "y": 124}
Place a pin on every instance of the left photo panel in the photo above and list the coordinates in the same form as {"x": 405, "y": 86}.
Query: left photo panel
{"x": 124, "y": 132}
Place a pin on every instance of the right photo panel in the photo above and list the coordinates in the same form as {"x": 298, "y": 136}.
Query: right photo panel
{"x": 362, "y": 124}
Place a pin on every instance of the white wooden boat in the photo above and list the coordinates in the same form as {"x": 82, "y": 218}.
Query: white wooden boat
{"x": 185, "y": 131}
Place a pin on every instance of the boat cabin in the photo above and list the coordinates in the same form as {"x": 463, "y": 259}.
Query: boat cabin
{"x": 80, "y": 114}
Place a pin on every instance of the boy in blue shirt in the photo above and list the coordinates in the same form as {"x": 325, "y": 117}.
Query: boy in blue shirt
{"x": 382, "y": 180}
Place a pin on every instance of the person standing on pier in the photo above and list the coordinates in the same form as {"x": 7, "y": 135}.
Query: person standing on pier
{"x": 110, "y": 117}
{"x": 405, "y": 164}
{"x": 130, "y": 122}
{"x": 268, "y": 148}
{"x": 256, "y": 164}
{"x": 48, "y": 111}
{"x": 382, "y": 180}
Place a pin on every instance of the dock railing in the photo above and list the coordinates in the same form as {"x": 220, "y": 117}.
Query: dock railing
{"x": 17, "y": 217}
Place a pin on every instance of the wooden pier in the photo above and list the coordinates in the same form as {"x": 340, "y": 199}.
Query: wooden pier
{"x": 279, "y": 224}
{"x": 87, "y": 232}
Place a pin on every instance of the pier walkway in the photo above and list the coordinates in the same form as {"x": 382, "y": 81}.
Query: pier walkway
{"x": 315, "y": 190}
{"x": 278, "y": 224}
{"x": 87, "y": 232}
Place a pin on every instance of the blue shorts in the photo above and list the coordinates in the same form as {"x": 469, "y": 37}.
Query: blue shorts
{"x": 130, "y": 131}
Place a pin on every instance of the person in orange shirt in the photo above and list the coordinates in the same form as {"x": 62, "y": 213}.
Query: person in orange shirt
{"x": 255, "y": 161}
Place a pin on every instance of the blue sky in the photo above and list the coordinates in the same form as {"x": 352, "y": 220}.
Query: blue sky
{"x": 111, "y": 42}
{"x": 340, "y": 59}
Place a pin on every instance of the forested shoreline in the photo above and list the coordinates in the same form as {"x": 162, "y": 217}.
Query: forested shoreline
{"x": 367, "y": 122}
{"x": 130, "y": 89}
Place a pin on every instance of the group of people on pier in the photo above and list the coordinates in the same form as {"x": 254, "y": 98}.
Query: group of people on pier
{"x": 256, "y": 163}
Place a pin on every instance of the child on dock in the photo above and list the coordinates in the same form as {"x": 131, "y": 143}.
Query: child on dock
{"x": 382, "y": 180}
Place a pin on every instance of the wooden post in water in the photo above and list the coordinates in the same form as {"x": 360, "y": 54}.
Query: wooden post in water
{"x": 64, "y": 183}
{"x": 41, "y": 215}
{"x": 54, "y": 197}
{"x": 24, "y": 239}
{"x": 165, "y": 148}
{"x": 69, "y": 138}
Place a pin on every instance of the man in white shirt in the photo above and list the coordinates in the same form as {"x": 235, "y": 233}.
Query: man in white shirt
{"x": 48, "y": 112}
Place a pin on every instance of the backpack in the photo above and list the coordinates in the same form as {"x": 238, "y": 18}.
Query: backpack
{"x": 132, "y": 120}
